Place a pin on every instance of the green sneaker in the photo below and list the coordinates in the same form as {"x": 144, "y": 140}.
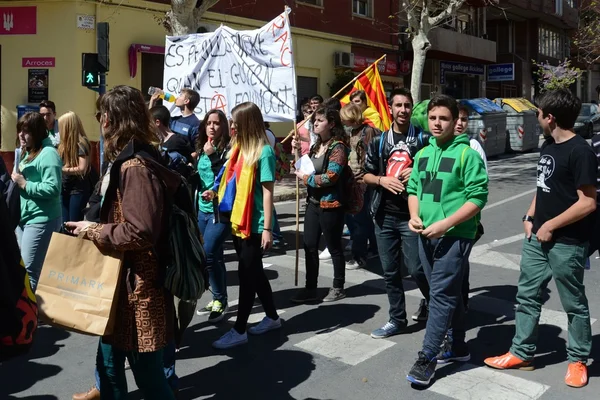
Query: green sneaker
{"x": 206, "y": 309}
{"x": 218, "y": 312}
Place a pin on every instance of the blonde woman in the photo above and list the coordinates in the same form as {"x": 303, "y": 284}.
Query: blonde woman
{"x": 245, "y": 191}
{"x": 74, "y": 151}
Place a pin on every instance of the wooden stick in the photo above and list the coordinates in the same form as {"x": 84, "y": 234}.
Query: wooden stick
{"x": 297, "y": 156}
{"x": 292, "y": 132}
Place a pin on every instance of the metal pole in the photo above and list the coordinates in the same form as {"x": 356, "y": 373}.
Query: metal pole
{"x": 101, "y": 91}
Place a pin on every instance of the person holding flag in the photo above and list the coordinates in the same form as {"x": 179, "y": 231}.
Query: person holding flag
{"x": 370, "y": 116}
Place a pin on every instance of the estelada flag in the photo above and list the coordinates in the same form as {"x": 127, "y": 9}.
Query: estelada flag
{"x": 378, "y": 112}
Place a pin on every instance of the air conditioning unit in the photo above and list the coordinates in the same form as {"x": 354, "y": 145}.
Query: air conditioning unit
{"x": 344, "y": 60}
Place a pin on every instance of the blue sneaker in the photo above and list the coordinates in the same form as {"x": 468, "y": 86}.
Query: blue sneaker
{"x": 389, "y": 329}
{"x": 422, "y": 371}
{"x": 450, "y": 353}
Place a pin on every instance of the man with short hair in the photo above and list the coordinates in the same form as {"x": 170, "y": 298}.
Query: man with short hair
{"x": 387, "y": 168}
{"x": 558, "y": 227}
{"x": 187, "y": 124}
{"x": 48, "y": 111}
{"x": 371, "y": 116}
{"x": 316, "y": 101}
{"x": 448, "y": 188}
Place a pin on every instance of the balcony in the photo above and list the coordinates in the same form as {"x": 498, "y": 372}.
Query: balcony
{"x": 449, "y": 41}
{"x": 544, "y": 10}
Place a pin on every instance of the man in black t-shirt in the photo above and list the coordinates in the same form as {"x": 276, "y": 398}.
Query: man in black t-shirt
{"x": 387, "y": 168}
{"x": 558, "y": 226}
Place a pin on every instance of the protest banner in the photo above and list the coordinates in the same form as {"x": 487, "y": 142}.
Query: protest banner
{"x": 228, "y": 67}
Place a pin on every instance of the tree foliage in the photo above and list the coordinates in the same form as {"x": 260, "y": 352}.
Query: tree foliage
{"x": 586, "y": 38}
{"x": 553, "y": 77}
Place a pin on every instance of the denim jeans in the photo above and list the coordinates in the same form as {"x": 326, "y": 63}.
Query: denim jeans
{"x": 398, "y": 247}
{"x": 215, "y": 234}
{"x": 362, "y": 230}
{"x": 168, "y": 367}
{"x": 443, "y": 263}
{"x": 34, "y": 240}
{"x": 147, "y": 371}
{"x": 330, "y": 223}
{"x": 73, "y": 205}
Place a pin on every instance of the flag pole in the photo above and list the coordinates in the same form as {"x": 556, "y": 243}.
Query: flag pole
{"x": 297, "y": 156}
{"x": 291, "y": 133}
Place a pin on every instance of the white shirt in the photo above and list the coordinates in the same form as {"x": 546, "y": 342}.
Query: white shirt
{"x": 271, "y": 137}
{"x": 475, "y": 145}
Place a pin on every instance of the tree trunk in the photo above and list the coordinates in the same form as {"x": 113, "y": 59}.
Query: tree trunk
{"x": 420, "y": 45}
{"x": 185, "y": 16}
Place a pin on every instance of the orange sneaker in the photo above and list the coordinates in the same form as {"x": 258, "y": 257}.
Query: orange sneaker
{"x": 576, "y": 375}
{"x": 508, "y": 361}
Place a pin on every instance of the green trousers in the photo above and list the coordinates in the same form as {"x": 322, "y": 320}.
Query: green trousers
{"x": 541, "y": 262}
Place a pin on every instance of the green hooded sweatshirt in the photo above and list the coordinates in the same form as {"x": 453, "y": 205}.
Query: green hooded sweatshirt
{"x": 444, "y": 178}
{"x": 40, "y": 200}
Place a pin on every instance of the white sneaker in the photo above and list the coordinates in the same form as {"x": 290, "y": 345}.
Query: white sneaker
{"x": 267, "y": 324}
{"x": 231, "y": 339}
{"x": 325, "y": 255}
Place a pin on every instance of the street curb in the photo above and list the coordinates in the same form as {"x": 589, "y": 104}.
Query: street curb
{"x": 278, "y": 198}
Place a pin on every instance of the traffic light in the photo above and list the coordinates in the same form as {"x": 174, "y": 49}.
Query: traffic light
{"x": 90, "y": 70}
{"x": 102, "y": 46}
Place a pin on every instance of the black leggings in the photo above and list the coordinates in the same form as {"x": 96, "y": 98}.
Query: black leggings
{"x": 329, "y": 222}
{"x": 253, "y": 280}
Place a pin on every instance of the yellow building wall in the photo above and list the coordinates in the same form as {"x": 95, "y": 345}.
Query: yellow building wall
{"x": 131, "y": 21}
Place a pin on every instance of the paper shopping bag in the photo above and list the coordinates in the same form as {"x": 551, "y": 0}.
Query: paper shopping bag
{"x": 78, "y": 286}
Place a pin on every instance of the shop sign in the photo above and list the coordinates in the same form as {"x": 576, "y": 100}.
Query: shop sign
{"x": 405, "y": 66}
{"x": 501, "y": 72}
{"x": 18, "y": 20}
{"x": 385, "y": 68}
{"x": 459, "y": 68}
{"x": 86, "y": 22}
{"x": 37, "y": 85}
{"x": 37, "y": 62}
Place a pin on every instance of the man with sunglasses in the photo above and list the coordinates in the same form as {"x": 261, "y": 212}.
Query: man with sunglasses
{"x": 558, "y": 228}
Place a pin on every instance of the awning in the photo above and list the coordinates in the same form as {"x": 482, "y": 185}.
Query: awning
{"x": 141, "y": 48}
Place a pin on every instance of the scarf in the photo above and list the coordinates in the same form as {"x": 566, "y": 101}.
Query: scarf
{"x": 236, "y": 193}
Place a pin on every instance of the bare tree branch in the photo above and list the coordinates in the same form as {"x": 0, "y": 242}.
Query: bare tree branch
{"x": 185, "y": 15}
{"x": 451, "y": 9}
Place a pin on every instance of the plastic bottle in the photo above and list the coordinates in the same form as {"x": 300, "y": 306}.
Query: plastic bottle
{"x": 165, "y": 96}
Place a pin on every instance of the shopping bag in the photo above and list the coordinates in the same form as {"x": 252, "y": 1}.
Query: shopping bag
{"x": 78, "y": 286}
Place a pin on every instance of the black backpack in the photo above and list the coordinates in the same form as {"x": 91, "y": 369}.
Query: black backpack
{"x": 12, "y": 196}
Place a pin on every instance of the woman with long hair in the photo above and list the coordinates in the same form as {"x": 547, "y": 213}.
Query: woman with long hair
{"x": 212, "y": 146}
{"x": 245, "y": 190}
{"x": 325, "y": 205}
{"x": 133, "y": 220}
{"x": 39, "y": 179}
{"x": 74, "y": 150}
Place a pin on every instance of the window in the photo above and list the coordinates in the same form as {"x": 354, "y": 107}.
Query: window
{"x": 553, "y": 43}
{"x": 364, "y": 8}
{"x": 318, "y": 3}
{"x": 558, "y": 10}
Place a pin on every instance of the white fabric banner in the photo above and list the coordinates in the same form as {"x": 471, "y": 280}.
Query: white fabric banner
{"x": 229, "y": 67}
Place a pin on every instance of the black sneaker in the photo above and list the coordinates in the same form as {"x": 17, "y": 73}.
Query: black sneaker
{"x": 334, "y": 294}
{"x": 305, "y": 296}
{"x": 218, "y": 312}
{"x": 422, "y": 313}
{"x": 422, "y": 371}
{"x": 356, "y": 264}
{"x": 452, "y": 353}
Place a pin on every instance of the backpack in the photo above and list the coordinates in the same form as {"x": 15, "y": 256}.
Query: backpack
{"x": 186, "y": 259}
{"x": 354, "y": 192}
{"x": 12, "y": 196}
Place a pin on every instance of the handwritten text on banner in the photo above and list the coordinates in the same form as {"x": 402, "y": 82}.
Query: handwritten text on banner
{"x": 229, "y": 67}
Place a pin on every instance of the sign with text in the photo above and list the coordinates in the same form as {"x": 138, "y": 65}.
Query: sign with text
{"x": 459, "y": 68}
{"x": 228, "y": 67}
{"x": 37, "y": 88}
{"x": 501, "y": 72}
{"x": 37, "y": 62}
{"x": 18, "y": 20}
{"x": 385, "y": 68}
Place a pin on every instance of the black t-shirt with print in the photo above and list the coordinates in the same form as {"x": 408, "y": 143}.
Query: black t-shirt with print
{"x": 399, "y": 158}
{"x": 562, "y": 169}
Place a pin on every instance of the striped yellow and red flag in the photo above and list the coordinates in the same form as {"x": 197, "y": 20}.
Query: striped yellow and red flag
{"x": 378, "y": 113}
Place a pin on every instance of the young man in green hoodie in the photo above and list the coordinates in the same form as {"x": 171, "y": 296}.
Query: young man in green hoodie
{"x": 448, "y": 187}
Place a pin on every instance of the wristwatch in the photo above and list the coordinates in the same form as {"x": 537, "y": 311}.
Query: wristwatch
{"x": 528, "y": 218}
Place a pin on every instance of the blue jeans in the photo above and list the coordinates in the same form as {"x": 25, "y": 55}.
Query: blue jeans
{"x": 147, "y": 371}
{"x": 215, "y": 234}
{"x": 362, "y": 230}
{"x": 73, "y": 205}
{"x": 168, "y": 367}
{"x": 398, "y": 247}
{"x": 443, "y": 262}
{"x": 34, "y": 240}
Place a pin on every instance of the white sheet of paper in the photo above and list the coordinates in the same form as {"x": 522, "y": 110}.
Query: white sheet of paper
{"x": 305, "y": 165}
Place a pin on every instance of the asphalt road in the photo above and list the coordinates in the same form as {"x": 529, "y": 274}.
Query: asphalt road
{"x": 324, "y": 350}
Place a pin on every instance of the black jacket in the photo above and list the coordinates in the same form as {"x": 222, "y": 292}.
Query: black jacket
{"x": 376, "y": 164}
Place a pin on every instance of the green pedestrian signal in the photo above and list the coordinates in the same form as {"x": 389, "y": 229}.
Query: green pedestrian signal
{"x": 90, "y": 70}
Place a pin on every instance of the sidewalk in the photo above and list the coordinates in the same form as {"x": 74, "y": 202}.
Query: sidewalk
{"x": 286, "y": 189}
